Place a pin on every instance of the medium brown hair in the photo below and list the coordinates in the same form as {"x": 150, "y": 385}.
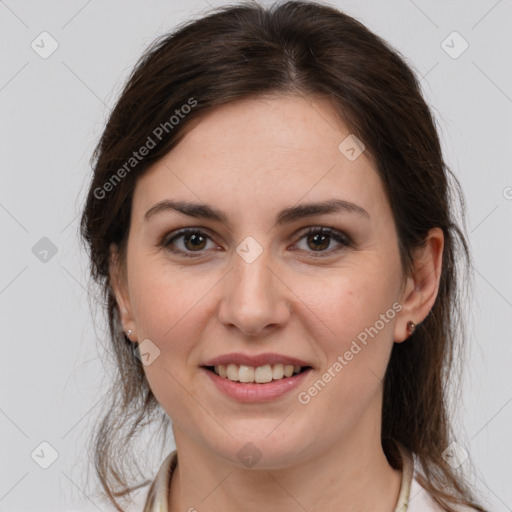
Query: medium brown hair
{"x": 313, "y": 50}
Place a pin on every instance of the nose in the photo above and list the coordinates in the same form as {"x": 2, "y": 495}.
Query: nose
{"x": 254, "y": 299}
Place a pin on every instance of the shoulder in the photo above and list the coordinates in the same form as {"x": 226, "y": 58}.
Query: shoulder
{"x": 155, "y": 498}
{"x": 420, "y": 500}
{"x": 413, "y": 496}
{"x": 150, "y": 497}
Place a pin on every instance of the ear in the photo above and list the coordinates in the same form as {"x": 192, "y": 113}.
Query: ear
{"x": 420, "y": 290}
{"x": 118, "y": 282}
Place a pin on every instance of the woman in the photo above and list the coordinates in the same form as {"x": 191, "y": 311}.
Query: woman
{"x": 270, "y": 222}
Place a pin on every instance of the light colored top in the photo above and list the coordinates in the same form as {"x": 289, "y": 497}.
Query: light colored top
{"x": 412, "y": 496}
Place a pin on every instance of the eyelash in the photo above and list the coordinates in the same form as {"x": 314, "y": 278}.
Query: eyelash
{"x": 344, "y": 240}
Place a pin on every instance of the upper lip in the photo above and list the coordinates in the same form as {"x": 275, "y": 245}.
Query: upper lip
{"x": 254, "y": 360}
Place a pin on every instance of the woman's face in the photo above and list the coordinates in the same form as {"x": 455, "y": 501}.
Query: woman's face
{"x": 255, "y": 283}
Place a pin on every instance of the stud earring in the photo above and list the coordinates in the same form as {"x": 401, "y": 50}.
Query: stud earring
{"x": 128, "y": 332}
{"x": 411, "y": 326}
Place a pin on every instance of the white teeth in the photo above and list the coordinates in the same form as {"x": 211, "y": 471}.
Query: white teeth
{"x": 277, "y": 371}
{"x": 245, "y": 373}
{"x": 263, "y": 374}
{"x": 260, "y": 374}
{"x": 232, "y": 372}
{"x": 288, "y": 370}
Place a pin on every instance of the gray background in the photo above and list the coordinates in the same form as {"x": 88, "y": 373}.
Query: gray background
{"x": 52, "y": 112}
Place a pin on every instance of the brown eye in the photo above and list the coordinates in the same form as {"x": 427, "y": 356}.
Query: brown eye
{"x": 192, "y": 241}
{"x": 318, "y": 239}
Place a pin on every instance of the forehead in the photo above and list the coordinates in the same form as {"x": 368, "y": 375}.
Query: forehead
{"x": 278, "y": 131}
{"x": 263, "y": 152}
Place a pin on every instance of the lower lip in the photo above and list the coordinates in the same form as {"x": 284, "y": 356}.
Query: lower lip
{"x": 252, "y": 392}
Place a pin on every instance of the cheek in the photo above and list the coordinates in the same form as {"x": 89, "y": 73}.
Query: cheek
{"x": 166, "y": 299}
{"x": 168, "y": 312}
{"x": 355, "y": 335}
{"x": 356, "y": 338}
{"x": 355, "y": 303}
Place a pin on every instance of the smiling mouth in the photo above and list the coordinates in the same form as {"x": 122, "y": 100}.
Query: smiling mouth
{"x": 256, "y": 375}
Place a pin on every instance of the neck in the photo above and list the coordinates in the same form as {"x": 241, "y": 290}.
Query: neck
{"x": 353, "y": 475}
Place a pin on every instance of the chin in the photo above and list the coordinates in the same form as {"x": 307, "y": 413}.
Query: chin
{"x": 264, "y": 447}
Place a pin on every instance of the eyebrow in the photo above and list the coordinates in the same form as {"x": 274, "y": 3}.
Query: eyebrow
{"x": 286, "y": 216}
